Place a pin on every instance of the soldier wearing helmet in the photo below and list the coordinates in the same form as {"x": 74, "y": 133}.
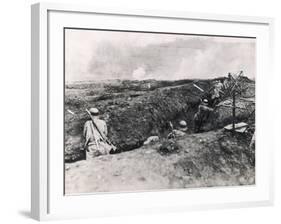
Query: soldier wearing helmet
{"x": 202, "y": 115}
{"x": 180, "y": 132}
{"x": 94, "y": 142}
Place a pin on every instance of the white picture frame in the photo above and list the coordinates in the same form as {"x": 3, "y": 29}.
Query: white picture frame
{"x": 48, "y": 201}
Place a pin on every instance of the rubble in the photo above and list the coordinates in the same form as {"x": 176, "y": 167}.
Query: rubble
{"x": 151, "y": 140}
{"x": 239, "y": 127}
{"x": 168, "y": 147}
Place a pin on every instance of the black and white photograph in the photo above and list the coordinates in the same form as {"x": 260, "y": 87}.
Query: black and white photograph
{"x": 150, "y": 111}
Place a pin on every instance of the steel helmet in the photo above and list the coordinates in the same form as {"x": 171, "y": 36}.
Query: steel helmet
{"x": 183, "y": 123}
{"x": 94, "y": 111}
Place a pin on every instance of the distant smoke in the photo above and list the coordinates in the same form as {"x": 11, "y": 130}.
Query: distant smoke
{"x": 139, "y": 73}
{"x": 180, "y": 58}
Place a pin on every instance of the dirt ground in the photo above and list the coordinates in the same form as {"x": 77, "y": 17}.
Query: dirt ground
{"x": 214, "y": 158}
{"x": 136, "y": 110}
{"x": 133, "y": 112}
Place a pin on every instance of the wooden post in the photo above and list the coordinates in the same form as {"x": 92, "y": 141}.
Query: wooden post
{"x": 233, "y": 111}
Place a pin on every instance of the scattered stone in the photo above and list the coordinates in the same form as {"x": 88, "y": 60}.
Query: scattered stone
{"x": 148, "y": 152}
{"x": 222, "y": 160}
{"x": 242, "y": 180}
{"x": 251, "y": 180}
{"x": 151, "y": 140}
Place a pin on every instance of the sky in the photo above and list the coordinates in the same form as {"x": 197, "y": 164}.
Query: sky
{"x": 101, "y": 55}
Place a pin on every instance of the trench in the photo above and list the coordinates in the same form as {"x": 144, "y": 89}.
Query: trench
{"x": 129, "y": 127}
{"x": 132, "y": 120}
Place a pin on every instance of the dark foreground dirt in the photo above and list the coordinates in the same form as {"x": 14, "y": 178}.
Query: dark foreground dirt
{"x": 213, "y": 158}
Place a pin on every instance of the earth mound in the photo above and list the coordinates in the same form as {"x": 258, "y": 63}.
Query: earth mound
{"x": 136, "y": 110}
{"x": 213, "y": 158}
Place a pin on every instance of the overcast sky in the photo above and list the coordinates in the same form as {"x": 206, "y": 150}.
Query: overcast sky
{"x": 98, "y": 55}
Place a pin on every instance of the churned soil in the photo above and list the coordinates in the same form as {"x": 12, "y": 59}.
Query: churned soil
{"x": 213, "y": 158}
{"x": 135, "y": 110}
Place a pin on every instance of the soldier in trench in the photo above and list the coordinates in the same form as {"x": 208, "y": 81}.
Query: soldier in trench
{"x": 217, "y": 91}
{"x": 202, "y": 115}
{"x": 181, "y": 131}
{"x": 95, "y": 135}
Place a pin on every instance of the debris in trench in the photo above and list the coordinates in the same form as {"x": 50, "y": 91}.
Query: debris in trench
{"x": 177, "y": 133}
{"x": 168, "y": 147}
{"x": 151, "y": 140}
{"x": 240, "y": 127}
{"x": 131, "y": 123}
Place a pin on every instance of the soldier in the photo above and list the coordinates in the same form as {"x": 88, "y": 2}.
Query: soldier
{"x": 178, "y": 133}
{"x": 183, "y": 126}
{"x": 202, "y": 115}
{"x": 95, "y": 144}
{"x": 226, "y": 82}
{"x": 217, "y": 92}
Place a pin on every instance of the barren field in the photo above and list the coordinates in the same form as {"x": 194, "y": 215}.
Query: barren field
{"x": 136, "y": 110}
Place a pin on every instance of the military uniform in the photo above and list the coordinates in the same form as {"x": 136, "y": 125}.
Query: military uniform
{"x": 217, "y": 92}
{"x": 179, "y": 133}
{"x": 94, "y": 143}
{"x": 201, "y": 116}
